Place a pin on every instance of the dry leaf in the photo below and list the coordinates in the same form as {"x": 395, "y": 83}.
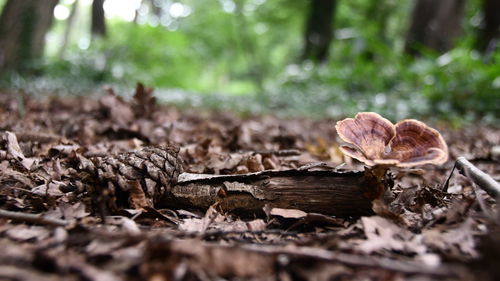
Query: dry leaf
{"x": 53, "y": 188}
{"x": 14, "y": 150}
{"x": 288, "y": 213}
{"x": 460, "y": 238}
{"x": 382, "y": 234}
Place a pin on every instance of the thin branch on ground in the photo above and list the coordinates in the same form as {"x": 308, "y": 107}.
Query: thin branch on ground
{"x": 483, "y": 180}
{"x": 409, "y": 267}
{"x": 32, "y": 218}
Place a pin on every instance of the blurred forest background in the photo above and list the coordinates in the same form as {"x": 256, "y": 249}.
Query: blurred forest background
{"x": 321, "y": 58}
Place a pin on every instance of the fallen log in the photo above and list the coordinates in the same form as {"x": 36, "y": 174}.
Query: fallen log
{"x": 333, "y": 193}
{"x": 153, "y": 177}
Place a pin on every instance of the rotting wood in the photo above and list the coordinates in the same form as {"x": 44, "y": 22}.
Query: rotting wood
{"x": 333, "y": 193}
{"x": 152, "y": 177}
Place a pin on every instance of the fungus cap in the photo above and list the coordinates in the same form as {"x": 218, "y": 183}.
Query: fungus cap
{"x": 374, "y": 140}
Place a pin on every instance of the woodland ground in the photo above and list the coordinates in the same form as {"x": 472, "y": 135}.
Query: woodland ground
{"x": 424, "y": 233}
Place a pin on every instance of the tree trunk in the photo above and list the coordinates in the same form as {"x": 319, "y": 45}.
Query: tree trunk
{"x": 489, "y": 31}
{"x": 136, "y": 16}
{"x": 319, "y": 30}
{"x": 377, "y": 16}
{"x": 69, "y": 26}
{"x": 23, "y": 25}
{"x": 98, "y": 22}
{"x": 156, "y": 9}
{"x": 434, "y": 24}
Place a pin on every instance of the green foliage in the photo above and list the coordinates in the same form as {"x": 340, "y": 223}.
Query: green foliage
{"x": 211, "y": 50}
{"x": 456, "y": 85}
{"x": 245, "y": 56}
{"x": 368, "y": 71}
{"x": 460, "y": 81}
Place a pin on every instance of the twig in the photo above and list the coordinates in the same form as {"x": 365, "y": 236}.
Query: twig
{"x": 196, "y": 247}
{"x": 16, "y": 272}
{"x": 488, "y": 212}
{"x": 32, "y": 218}
{"x": 279, "y": 153}
{"x": 409, "y": 267}
{"x": 445, "y": 185}
{"x": 40, "y": 137}
{"x": 483, "y": 180}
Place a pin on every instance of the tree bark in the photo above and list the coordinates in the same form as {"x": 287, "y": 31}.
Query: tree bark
{"x": 319, "y": 30}
{"x": 377, "y": 16}
{"x": 23, "y": 26}
{"x": 156, "y": 10}
{"x": 341, "y": 194}
{"x": 98, "y": 26}
{"x": 69, "y": 26}
{"x": 434, "y": 24}
{"x": 489, "y": 31}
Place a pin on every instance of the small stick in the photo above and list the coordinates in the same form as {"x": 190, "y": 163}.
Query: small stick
{"x": 483, "y": 180}
{"x": 195, "y": 247}
{"x": 408, "y": 267}
{"x": 33, "y": 218}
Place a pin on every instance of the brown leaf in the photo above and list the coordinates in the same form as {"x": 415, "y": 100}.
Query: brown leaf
{"x": 23, "y": 232}
{"x": 457, "y": 240}
{"x": 383, "y": 234}
{"x": 213, "y": 220}
{"x": 226, "y": 261}
{"x": 68, "y": 211}
{"x": 63, "y": 149}
{"x": 8, "y": 173}
{"x": 137, "y": 196}
{"x": 14, "y": 150}
{"x": 144, "y": 101}
{"x": 53, "y": 188}
{"x": 123, "y": 223}
{"x": 117, "y": 109}
{"x": 288, "y": 213}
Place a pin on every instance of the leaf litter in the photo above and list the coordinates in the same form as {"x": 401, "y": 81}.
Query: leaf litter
{"x": 52, "y": 228}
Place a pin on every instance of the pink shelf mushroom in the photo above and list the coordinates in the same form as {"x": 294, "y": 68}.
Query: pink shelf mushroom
{"x": 380, "y": 145}
{"x": 375, "y": 141}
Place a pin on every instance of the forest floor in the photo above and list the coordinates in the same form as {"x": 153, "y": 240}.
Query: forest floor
{"x": 51, "y": 230}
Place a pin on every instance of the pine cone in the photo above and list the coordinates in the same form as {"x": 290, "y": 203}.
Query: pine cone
{"x": 135, "y": 179}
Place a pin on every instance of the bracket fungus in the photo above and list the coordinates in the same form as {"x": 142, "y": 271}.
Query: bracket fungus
{"x": 374, "y": 140}
{"x": 379, "y": 144}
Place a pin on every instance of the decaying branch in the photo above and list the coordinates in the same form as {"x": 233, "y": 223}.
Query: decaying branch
{"x": 328, "y": 192}
{"x": 483, "y": 180}
{"x": 150, "y": 177}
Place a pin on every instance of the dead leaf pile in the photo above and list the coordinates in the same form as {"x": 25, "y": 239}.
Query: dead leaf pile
{"x": 52, "y": 229}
